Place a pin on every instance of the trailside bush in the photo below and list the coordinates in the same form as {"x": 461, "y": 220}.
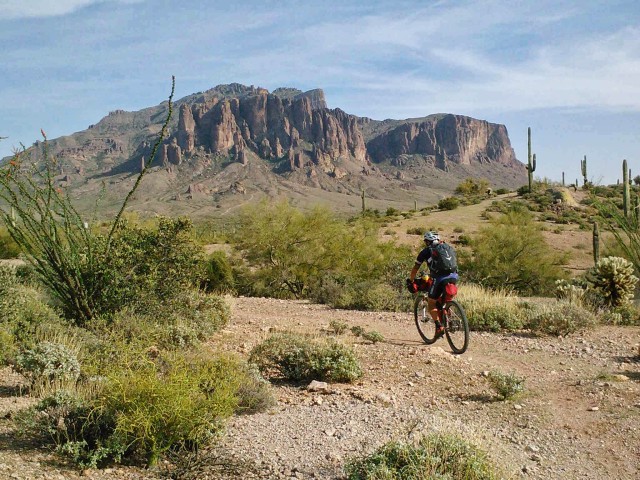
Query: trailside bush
{"x": 491, "y": 310}
{"x": 48, "y": 362}
{"x": 512, "y": 253}
{"x": 436, "y": 456}
{"x": 506, "y": 385}
{"x": 8, "y": 247}
{"x": 560, "y": 318}
{"x": 300, "y": 358}
{"x": 145, "y": 267}
{"x": 218, "y": 274}
{"x": 449, "y": 203}
{"x": 22, "y": 311}
{"x": 167, "y": 403}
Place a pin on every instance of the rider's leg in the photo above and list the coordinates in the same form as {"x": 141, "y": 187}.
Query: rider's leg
{"x": 434, "y": 293}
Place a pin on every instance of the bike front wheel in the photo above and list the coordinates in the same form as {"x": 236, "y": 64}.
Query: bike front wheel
{"x": 456, "y": 327}
{"x": 424, "y": 322}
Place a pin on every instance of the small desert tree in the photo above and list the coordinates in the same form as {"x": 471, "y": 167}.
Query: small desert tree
{"x": 511, "y": 252}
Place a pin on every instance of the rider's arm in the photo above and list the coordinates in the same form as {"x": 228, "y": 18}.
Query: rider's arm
{"x": 414, "y": 272}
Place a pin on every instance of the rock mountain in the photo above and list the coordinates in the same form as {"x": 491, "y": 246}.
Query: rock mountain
{"x": 234, "y": 144}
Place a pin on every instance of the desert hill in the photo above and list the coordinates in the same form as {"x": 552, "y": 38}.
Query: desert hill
{"x": 234, "y": 144}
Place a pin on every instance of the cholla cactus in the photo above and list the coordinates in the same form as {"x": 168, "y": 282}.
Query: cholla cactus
{"x": 613, "y": 280}
{"x": 568, "y": 291}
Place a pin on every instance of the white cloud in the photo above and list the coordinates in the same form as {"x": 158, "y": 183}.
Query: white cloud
{"x": 12, "y": 9}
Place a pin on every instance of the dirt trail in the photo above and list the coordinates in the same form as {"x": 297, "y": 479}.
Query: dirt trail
{"x": 578, "y": 418}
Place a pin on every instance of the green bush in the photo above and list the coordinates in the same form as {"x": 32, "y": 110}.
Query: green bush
{"x": 145, "y": 267}
{"x": 299, "y": 358}
{"x": 472, "y": 186}
{"x": 506, "y": 385}
{"x": 494, "y": 318}
{"x": 49, "y": 362}
{"x": 8, "y": 247}
{"x": 373, "y": 336}
{"x": 338, "y": 327}
{"x": 436, "y": 456}
{"x": 168, "y": 402}
{"x": 415, "y": 231}
{"x": 560, "y": 318}
{"x": 512, "y": 253}
{"x": 23, "y": 310}
{"x": 449, "y": 203}
{"x": 218, "y": 274}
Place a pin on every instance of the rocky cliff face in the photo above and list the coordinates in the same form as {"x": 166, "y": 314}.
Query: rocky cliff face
{"x": 449, "y": 138}
{"x": 273, "y": 127}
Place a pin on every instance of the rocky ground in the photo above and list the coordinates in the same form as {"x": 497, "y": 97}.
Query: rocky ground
{"x": 577, "y": 419}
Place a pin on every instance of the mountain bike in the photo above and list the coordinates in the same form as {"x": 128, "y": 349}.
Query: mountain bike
{"x": 452, "y": 318}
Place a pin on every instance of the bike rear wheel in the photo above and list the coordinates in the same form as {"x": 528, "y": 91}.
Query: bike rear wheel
{"x": 456, "y": 327}
{"x": 424, "y": 322}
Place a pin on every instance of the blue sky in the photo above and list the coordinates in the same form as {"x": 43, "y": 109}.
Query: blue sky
{"x": 568, "y": 69}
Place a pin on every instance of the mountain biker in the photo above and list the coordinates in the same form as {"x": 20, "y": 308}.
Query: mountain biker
{"x": 437, "y": 279}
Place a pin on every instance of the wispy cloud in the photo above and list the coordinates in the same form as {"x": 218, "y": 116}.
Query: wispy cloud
{"x": 12, "y": 9}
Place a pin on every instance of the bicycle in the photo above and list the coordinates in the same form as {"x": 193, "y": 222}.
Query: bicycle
{"x": 452, "y": 317}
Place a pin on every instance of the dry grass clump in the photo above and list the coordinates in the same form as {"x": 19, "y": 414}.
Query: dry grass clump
{"x": 491, "y": 310}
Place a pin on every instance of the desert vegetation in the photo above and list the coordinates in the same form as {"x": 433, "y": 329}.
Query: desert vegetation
{"x": 108, "y": 323}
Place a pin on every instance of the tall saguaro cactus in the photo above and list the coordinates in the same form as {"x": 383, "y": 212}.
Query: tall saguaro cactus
{"x": 596, "y": 243}
{"x": 531, "y": 160}
{"x": 625, "y": 189}
{"x": 364, "y": 205}
{"x": 583, "y": 169}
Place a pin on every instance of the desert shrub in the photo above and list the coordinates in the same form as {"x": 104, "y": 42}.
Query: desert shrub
{"x": 415, "y": 231}
{"x": 472, "y": 186}
{"x": 145, "y": 267}
{"x": 511, "y": 253}
{"x": 166, "y": 403}
{"x": 373, "y": 336}
{"x": 69, "y": 421}
{"x": 23, "y": 310}
{"x": 560, "y": 318}
{"x": 449, "y": 203}
{"x": 436, "y": 456}
{"x": 613, "y": 280}
{"x": 338, "y": 327}
{"x": 49, "y": 362}
{"x": 8, "y": 247}
{"x": 299, "y": 358}
{"x": 502, "y": 191}
{"x": 218, "y": 274}
{"x": 506, "y": 385}
{"x": 350, "y": 292}
{"x": 178, "y": 403}
{"x": 491, "y": 310}
{"x": 357, "y": 330}
{"x": 392, "y": 212}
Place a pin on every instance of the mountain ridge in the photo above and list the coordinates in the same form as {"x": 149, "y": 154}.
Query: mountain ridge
{"x": 298, "y": 148}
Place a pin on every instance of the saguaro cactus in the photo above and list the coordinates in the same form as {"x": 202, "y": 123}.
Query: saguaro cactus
{"x": 531, "y": 160}
{"x": 596, "y": 243}
{"x": 364, "y": 205}
{"x": 583, "y": 169}
{"x": 625, "y": 189}
{"x": 563, "y": 179}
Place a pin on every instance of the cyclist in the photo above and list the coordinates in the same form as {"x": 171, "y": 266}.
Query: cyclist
{"x": 442, "y": 271}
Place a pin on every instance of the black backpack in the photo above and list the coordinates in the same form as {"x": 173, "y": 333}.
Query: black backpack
{"x": 443, "y": 259}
